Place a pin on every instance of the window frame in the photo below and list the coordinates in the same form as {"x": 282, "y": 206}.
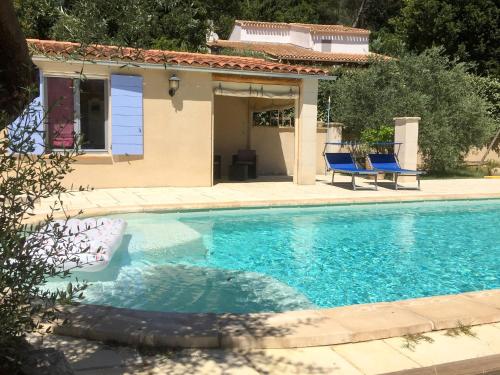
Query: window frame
{"x": 326, "y": 42}
{"x": 77, "y": 115}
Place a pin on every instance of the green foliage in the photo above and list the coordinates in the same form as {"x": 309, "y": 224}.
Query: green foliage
{"x": 163, "y": 24}
{"x": 489, "y": 89}
{"x": 25, "y": 306}
{"x": 460, "y": 329}
{"x": 413, "y": 339}
{"x": 383, "y": 133}
{"x": 454, "y": 116}
{"x": 37, "y": 16}
{"x": 468, "y": 30}
{"x": 377, "y": 12}
{"x": 387, "y": 43}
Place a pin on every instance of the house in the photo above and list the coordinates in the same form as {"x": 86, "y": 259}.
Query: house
{"x": 160, "y": 118}
{"x": 299, "y": 43}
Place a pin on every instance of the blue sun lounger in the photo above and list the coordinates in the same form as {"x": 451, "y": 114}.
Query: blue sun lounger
{"x": 343, "y": 162}
{"x": 388, "y": 163}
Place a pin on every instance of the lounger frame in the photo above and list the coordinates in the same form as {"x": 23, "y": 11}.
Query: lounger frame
{"x": 397, "y": 172}
{"x": 353, "y": 172}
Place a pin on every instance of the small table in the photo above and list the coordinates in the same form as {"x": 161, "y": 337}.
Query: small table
{"x": 238, "y": 172}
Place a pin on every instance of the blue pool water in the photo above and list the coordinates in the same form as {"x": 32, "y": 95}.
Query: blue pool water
{"x": 281, "y": 259}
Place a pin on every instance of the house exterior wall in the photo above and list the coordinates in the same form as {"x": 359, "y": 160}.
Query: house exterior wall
{"x": 339, "y": 43}
{"x": 177, "y": 133}
{"x": 236, "y": 33}
{"x": 300, "y": 37}
{"x": 265, "y": 34}
{"x": 276, "y": 151}
{"x": 342, "y": 43}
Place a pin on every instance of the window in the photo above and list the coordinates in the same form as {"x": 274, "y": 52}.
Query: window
{"x": 278, "y": 117}
{"x": 326, "y": 45}
{"x": 92, "y": 114}
{"x": 76, "y": 107}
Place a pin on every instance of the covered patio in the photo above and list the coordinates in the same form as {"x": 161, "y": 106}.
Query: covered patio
{"x": 242, "y": 150}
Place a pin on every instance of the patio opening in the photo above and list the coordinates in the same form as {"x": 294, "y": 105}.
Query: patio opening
{"x": 254, "y": 131}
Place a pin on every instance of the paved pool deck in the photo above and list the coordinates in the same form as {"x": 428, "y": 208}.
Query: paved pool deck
{"x": 441, "y": 352}
{"x": 266, "y": 192}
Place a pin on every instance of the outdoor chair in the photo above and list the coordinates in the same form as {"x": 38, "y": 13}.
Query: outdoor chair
{"x": 388, "y": 163}
{"x": 217, "y": 167}
{"x": 248, "y": 158}
{"x": 343, "y": 162}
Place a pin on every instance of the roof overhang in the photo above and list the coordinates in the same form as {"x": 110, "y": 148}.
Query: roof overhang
{"x": 179, "y": 67}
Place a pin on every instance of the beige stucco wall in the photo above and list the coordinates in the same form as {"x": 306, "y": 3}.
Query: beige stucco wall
{"x": 181, "y": 133}
{"x": 177, "y": 133}
{"x": 476, "y": 155}
{"x": 275, "y": 149}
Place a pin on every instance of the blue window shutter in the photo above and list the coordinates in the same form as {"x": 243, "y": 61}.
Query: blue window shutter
{"x": 126, "y": 115}
{"x": 23, "y": 126}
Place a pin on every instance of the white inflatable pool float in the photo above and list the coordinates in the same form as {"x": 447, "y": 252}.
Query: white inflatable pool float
{"x": 84, "y": 245}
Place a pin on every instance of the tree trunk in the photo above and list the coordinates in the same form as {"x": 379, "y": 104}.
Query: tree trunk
{"x": 360, "y": 12}
{"x": 17, "y": 72}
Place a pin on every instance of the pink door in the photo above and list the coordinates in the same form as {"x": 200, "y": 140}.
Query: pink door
{"x": 61, "y": 111}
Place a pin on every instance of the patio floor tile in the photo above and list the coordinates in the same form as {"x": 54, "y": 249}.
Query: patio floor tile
{"x": 370, "y": 322}
{"x": 319, "y": 360}
{"x": 444, "y": 348}
{"x": 447, "y": 311}
{"x": 375, "y": 357}
{"x": 194, "y": 362}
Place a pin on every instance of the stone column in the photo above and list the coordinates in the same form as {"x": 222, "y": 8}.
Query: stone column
{"x": 306, "y": 113}
{"x": 406, "y": 133}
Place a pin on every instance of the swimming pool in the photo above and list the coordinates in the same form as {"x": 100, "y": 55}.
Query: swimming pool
{"x": 279, "y": 259}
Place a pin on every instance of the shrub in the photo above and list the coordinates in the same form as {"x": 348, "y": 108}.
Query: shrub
{"x": 25, "y": 306}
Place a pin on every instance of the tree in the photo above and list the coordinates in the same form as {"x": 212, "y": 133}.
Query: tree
{"x": 30, "y": 253}
{"x": 375, "y": 14}
{"x": 16, "y": 69}
{"x": 455, "y": 117}
{"x": 467, "y": 29}
{"x": 137, "y": 23}
{"x": 26, "y": 178}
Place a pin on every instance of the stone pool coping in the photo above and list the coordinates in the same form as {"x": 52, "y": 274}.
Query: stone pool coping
{"x": 293, "y": 329}
{"x": 256, "y": 204}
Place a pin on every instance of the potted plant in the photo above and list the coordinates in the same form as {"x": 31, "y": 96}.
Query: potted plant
{"x": 376, "y": 139}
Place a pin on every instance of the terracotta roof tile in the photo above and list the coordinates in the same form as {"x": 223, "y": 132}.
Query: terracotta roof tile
{"x": 313, "y": 28}
{"x": 292, "y": 52}
{"x": 126, "y": 54}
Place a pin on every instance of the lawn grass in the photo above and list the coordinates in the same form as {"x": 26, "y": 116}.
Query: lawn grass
{"x": 464, "y": 172}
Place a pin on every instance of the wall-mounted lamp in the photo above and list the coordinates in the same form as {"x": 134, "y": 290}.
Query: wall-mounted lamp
{"x": 173, "y": 84}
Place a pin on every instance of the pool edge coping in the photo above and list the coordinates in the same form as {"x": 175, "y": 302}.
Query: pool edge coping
{"x": 257, "y": 204}
{"x": 291, "y": 329}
